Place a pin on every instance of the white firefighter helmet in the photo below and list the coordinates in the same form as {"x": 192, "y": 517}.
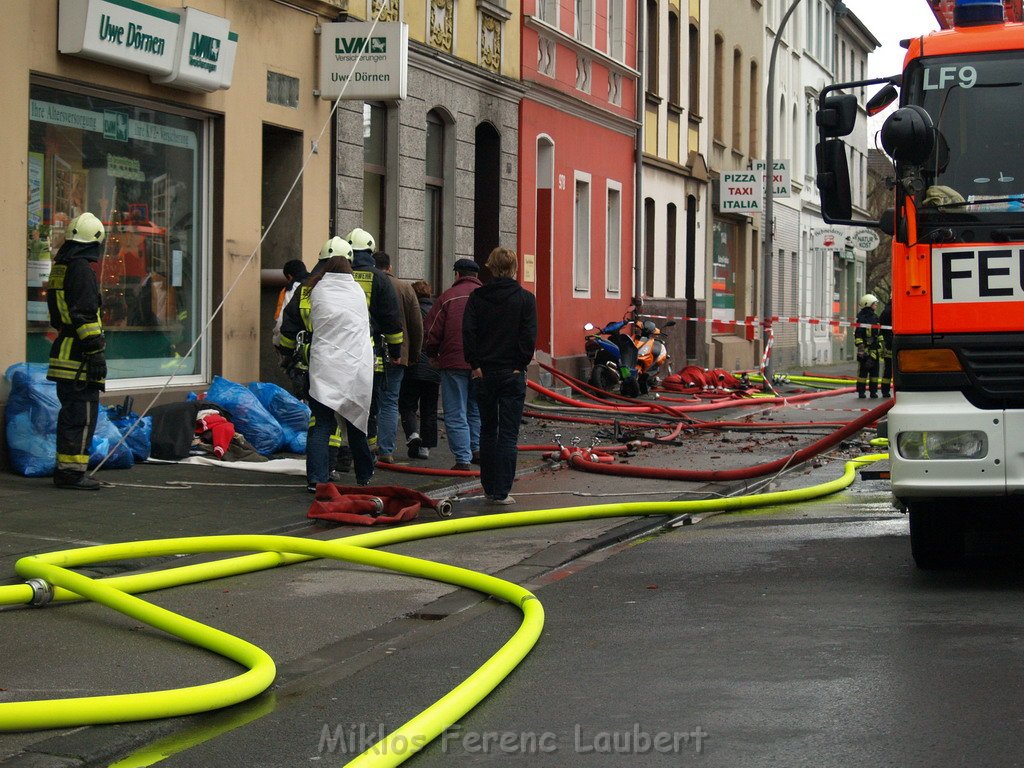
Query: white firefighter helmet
{"x": 361, "y": 240}
{"x": 868, "y": 299}
{"x": 336, "y": 247}
{"x": 86, "y": 228}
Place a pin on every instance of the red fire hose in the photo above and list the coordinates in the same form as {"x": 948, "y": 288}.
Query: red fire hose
{"x": 666, "y": 473}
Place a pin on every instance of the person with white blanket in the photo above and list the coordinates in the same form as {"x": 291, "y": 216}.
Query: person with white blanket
{"x": 340, "y": 369}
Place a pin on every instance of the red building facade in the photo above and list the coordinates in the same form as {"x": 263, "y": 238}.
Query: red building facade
{"x": 577, "y": 155}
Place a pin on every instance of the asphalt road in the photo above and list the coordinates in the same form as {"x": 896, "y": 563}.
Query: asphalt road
{"x": 790, "y": 637}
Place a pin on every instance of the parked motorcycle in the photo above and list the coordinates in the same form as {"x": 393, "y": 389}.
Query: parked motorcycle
{"x": 633, "y": 363}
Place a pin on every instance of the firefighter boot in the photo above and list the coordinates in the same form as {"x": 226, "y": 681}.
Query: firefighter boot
{"x": 77, "y": 481}
{"x": 342, "y": 461}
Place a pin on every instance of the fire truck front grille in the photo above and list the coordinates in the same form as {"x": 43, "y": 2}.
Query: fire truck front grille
{"x": 997, "y": 372}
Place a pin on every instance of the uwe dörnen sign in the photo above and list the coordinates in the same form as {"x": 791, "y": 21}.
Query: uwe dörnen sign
{"x": 364, "y": 61}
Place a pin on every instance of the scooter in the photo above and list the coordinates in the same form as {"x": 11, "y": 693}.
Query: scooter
{"x": 633, "y": 363}
{"x": 613, "y": 358}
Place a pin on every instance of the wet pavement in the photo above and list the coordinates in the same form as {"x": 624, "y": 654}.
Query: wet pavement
{"x": 329, "y": 624}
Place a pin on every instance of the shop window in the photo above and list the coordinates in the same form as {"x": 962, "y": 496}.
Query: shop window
{"x": 141, "y": 171}
{"x": 725, "y": 257}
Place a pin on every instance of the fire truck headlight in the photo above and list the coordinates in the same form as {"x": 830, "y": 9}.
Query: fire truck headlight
{"x": 937, "y": 446}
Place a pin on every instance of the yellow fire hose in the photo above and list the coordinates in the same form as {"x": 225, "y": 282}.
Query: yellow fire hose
{"x": 51, "y": 569}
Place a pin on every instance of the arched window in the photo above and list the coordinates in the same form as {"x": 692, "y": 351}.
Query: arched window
{"x": 754, "y": 134}
{"x": 719, "y": 127}
{"x": 693, "y": 59}
{"x": 737, "y": 98}
{"x": 809, "y": 139}
{"x": 433, "y": 210}
{"x": 652, "y": 45}
{"x": 780, "y": 130}
{"x": 649, "y": 246}
{"x": 674, "y": 43}
{"x": 794, "y": 133}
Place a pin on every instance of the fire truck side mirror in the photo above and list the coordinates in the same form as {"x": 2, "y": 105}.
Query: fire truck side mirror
{"x": 881, "y": 100}
{"x": 908, "y": 135}
{"x": 834, "y": 181}
{"x": 838, "y": 115}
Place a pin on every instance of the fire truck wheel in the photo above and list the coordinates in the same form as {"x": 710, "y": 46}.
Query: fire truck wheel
{"x": 936, "y": 534}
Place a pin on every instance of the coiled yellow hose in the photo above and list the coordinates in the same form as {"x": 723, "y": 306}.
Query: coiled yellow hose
{"x": 118, "y": 593}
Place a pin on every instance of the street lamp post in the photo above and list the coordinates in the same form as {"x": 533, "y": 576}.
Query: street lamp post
{"x": 769, "y": 225}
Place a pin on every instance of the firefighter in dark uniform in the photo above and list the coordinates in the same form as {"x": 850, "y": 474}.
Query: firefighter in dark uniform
{"x": 886, "y": 319}
{"x": 77, "y": 361}
{"x": 869, "y": 346}
{"x": 296, "y": 335}
{"x": 385, "y": 316}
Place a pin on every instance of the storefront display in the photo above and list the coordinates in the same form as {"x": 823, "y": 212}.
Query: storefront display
{"x": 141, "y": 171}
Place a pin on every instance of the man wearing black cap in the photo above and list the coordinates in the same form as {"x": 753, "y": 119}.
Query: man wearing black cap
{"x": 442, "y": 332}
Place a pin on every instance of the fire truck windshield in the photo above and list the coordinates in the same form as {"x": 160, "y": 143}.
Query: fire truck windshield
{"x": 976, "y": 102}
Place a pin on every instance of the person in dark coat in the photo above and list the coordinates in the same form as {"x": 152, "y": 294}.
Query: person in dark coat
{"x": 499, "y": 334}
{"x": 417, "y": 400}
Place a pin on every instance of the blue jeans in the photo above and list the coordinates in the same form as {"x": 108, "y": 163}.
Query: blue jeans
{"x": 461, "y": 415}
{"x": 387, "y": 416}
{"x": 502, "y": 393}
{"x": 322, "y": 424}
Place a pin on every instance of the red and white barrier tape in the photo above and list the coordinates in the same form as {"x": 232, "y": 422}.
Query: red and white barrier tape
{"x": 757, "y": 322}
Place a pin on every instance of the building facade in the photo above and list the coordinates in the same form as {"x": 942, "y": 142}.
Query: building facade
{"x": 434, "y": 176}
{"x": 183, "y": 130}
{"x": 732, "y": 240}
{"x": 814, "y": 277}
{"x": 577, "y": 161}
{"x": 675, "y": 183}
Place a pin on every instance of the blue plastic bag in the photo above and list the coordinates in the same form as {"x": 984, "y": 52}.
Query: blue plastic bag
{"x": 104, "y": 441}
{"x": 291, "y": 413}
{"x": 248, "y": 415}
{"x": 140, "y": 438}
{"x": 31, "y": 421}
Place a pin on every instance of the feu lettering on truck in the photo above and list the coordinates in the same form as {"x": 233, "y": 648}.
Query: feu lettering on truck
{"x": 977, "y": 275}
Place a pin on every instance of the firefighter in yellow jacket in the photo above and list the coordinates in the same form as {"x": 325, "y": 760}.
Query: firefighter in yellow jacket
{"x": 77, "y": 361}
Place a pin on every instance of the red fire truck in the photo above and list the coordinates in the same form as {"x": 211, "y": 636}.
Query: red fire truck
{"x": 956, "y": 430}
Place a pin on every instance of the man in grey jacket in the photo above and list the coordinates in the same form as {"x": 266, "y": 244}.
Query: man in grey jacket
{"x": 391, "y": 381}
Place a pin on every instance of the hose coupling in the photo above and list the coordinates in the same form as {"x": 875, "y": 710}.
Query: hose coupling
{"x": 42, "y": 592}
{"x": 378, "y": 506}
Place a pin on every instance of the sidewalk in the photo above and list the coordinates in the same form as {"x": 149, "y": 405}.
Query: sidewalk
{"x": 169, "y": 500}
